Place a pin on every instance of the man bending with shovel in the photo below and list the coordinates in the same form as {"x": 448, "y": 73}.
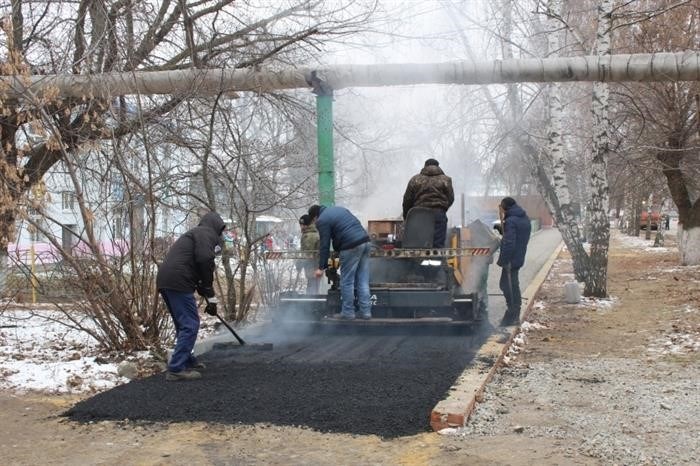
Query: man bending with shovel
{"x": 189, "y": 266}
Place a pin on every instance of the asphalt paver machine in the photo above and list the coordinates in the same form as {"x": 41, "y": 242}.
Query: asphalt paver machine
{"x": 411, "y": 282}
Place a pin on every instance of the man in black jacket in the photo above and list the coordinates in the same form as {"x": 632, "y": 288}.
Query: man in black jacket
{"x": 189, "y": 266}
{"x": 516, "y": 235}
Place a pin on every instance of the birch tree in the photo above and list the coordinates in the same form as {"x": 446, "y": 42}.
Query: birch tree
{"x": 551, "y": 161}
{"x": 559, "y": 197}
{"x": 596, "y": 285}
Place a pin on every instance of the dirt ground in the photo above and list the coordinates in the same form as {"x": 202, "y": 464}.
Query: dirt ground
{"x": 616, "y": 382}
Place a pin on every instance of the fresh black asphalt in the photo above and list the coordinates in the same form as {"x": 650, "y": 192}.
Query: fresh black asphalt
{"x": 359, "y": 384}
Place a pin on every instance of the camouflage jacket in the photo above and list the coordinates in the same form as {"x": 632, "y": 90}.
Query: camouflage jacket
{"x": 309, "y": 238}
{"x": 430, "y": 188}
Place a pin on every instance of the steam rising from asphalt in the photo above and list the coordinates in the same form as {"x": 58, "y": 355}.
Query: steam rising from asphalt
{"x": 291, "y": 326}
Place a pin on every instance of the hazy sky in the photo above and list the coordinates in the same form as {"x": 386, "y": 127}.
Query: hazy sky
{"x": 408, "y": 122}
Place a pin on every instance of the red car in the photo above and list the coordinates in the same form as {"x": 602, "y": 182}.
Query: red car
{"x": 655, "y": 220}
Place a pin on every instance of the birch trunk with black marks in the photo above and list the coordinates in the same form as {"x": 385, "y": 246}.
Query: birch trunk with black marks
{"x": 596, "y": 283}
{"x": 559, "y": 200}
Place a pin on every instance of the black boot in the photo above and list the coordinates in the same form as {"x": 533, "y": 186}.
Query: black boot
{"x": 511, "y": 317}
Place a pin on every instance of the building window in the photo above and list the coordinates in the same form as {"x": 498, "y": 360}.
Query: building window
{"x": 68, "y": 200}
{"x": 118, "y": 227}
{"x": 68, "y": 238}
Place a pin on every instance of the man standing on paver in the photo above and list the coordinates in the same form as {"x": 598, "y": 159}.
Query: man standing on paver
{"x": 339, "y": 225}
{"x": 516, "y": 235}
{"x": 189, "y": 266}
{"x": 431, "y": 189}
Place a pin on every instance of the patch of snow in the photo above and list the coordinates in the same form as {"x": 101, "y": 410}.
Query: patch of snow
{"x": 448, "y": 431}
{"x": 635, "y": 242}
{"x": 599, "y": 304}
{"x": 519, "y": 341}
{"x": 39, "y": 353}
{"x": 527, "y": 326}
{"x": 688, "y": 309}
{"x": 678, "y": 343}
{"x": 681, "y": 269}
{"x": 683, "y": 336}
{"x": 659, "y": 249}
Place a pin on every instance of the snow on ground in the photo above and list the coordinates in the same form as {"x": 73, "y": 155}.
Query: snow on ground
{"x": 639, "y": 242}
{"x": 681, "y": 337}
{"x": 601, "y": 305}
{"x": 681, "y": 269}
{"x": 38, "y": 353}
{"x": 520, "y": 340}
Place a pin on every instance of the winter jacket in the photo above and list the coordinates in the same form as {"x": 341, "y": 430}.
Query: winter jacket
{"x": 430, "y": 188}
{"x": 339, "y": 225}
{"x": 309, "y": 238}
{"x": 189, "y": 264}
{"x": 309, "y": 242}
{"x": 516, "y": 234}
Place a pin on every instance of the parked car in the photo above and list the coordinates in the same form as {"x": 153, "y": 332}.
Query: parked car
{"x": 644, "y": 220}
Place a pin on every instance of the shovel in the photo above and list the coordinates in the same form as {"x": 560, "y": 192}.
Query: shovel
{"x": 241, "y": 342}
{"x": 233, "y": 332}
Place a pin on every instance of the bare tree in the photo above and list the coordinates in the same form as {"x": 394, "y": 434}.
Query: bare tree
{"x": 661, "y": 120}
{"x": 255, "y": 159}
{"x": 40, "y": 129}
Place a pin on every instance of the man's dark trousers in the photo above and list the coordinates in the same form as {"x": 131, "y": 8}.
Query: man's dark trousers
{"x": 183, "y": 310}
{"x": 440, "y": 232}
{"x": 510, "y": 286}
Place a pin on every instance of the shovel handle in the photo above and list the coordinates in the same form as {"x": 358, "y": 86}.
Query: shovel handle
{"x": 240, "y": 340}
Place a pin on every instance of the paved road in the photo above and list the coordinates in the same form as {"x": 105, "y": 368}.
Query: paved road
{"x": 360, "y": 384}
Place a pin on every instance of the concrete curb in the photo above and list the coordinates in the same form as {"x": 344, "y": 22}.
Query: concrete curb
{"x": 455, "y": 410}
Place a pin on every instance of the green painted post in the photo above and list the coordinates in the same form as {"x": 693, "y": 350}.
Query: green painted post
{"x": 324, "y": 136}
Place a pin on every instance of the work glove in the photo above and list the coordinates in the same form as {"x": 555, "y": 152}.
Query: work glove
{"x": 211, "y": 306}
{"x": 206, "y": 291}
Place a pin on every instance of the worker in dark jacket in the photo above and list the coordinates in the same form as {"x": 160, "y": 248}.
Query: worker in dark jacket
{"x": 310, "y": 241}
{"x": 189, "y": 266}
{"x": 516, "y": 235}
{"x": 339, "y": 226}
{"x": 432, "y": 189}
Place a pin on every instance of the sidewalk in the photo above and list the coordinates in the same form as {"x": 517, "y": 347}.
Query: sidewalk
{"x": 604, "y": 381}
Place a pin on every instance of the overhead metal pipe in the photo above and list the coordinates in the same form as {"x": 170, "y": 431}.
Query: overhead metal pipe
{"x": 680, "y": 66}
